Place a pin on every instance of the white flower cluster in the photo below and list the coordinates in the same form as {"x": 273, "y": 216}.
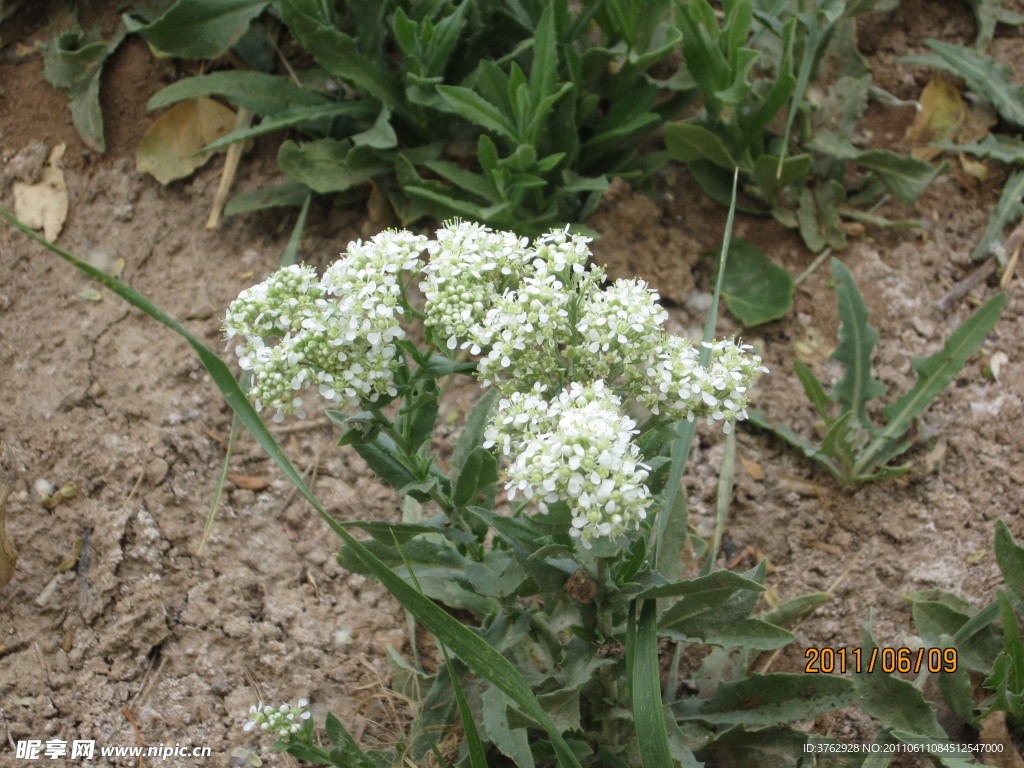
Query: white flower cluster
{"x": 620, "y": 329}
{"x": 528, "y": 326}
{"x": 575, "y": 449}
{"x": 283, "y": 722}
{"x": 675, "y": 386}
{"x": 470, "y": 266}
{"x": 345, "y": 345}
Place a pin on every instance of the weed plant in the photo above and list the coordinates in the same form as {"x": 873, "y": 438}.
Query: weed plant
{"x": 853, "y": 449}
{"x": 569, "y": 589}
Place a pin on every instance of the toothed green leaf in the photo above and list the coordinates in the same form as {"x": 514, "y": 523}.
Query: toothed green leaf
{"x": 857, "y": 342}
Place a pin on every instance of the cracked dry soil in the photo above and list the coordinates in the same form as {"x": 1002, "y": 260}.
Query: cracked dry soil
{"x": 137, "y": 637}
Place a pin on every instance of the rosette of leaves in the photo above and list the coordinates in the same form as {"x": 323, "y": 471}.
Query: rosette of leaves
{"x": 755, "y": 70}
{"x": 853, "y": 448}
{"x": 513, "y": 114}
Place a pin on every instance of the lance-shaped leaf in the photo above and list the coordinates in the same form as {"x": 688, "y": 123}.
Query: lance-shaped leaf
{"x": 1009, "y": 210}
{"x": 339, "y": 54}
{"x": 933, "y": 375}
{"x": 857, "y": 341}
{"x": 1005, "y": 149}
{"x": 769, "y": 699}
{"x": 1010, "y": 558}
{"x": 258, "y": 92}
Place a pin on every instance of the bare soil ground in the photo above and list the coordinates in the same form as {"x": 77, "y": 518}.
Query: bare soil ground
{"x": 142, "y": 639}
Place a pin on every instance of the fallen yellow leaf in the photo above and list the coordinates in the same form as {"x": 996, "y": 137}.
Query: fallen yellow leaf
{"x": 941, "y": 116}
{"x": 168, "y": 149}
{"x": 44, "y": 205}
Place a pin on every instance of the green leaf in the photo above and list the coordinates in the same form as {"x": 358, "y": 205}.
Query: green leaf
{"x": 472, "y": 107}
{"x": 906, "y": 178}
{"x": 956, "y": 687}
{"x": 711, "y": 613}
{"x": 198, "y": 29}
{"x": 287, "y": 194}
{"x": 984, "y": 75}
{"x": 936, "y": 618}
{"x": 1010, "y": 558}
{"x": 339, "y": 54}
{"x": 769, "y": 699}
{"x": 687, "y": 142}
{"x": 933, "y": 375}
{"x": 772, "y": 174}
{"x": 1005, "y": 149}
{"x": 258, "y": 92}
{"x": 1009, "y": 210}
{"x": 478, "y": 475}
{"x": 343, "y": 115}
{"x": 812, "y": 388}
{"x": 645, "y": 689}
{"x": 544, "y": 67}
{"x": 857, "y": 341}
{"x": 792, "y": 611}
{"x": 988, "y": 13}
{"x": 771, "y": 747}
{"x": 330, "y": 165}
{"x": 752, "y": 634}
{"x": 73, "y": 61}
{"x": 380, "y": 135}
{"x": 397, "y": 533}
{"x": 513, "y": 742}
{"x": 898, "y": 704}
{"x": 717, "y": 585}
{"x": 478, "y": 185}
{"x": 755, "y": 289}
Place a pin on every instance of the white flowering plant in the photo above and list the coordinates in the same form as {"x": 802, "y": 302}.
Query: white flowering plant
{"x": 556, "y": 526}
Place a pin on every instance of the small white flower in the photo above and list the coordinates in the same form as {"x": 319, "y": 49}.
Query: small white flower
{"x": 284, "y": 721}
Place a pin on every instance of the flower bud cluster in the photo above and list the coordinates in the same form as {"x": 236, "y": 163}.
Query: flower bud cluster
{"x": 575, "y": 449}
{"x": 345, "y": 345}
{"x": 470, "y": 266}
{"x": 528, "y": 327}
{"x": 283, "y": 722}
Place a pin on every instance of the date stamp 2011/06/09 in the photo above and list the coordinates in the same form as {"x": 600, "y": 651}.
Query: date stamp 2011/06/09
{"x": 888, "y": 660}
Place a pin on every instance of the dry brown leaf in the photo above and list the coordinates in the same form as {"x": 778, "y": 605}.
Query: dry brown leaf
{"x": 44, "y": 205}
{"x": 248, "y": 482}
{"x": 753, "y": 468}
{"x": 941, "y": 117}
{"x": 798, "y": 485}
{"x": 168, "y": 149}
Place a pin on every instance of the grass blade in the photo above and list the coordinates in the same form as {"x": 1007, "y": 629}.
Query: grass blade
{"x": 687, "y": 430}
{"x": 468, "y": 646}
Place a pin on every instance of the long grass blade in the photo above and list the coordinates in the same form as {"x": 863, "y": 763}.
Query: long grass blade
{"x": 687, "y": 430}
